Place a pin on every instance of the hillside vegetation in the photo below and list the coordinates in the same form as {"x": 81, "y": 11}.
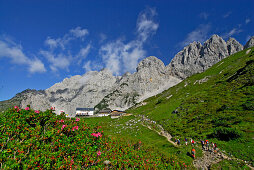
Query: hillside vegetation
{"x": 31, "y": 139}
{"x": 217, "y": 104}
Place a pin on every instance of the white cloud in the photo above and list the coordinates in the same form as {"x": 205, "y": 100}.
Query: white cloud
{"x": 78, "y": 32}
{"x": 247, "y": 21}
{"x": 131, "y": 56}
{"x": 83, "y": 52}
{"x": 59, "y": 52}
{"x": 200, "y": 34}
{"x": 204, "y": 15}
{"x": 14, "y": 52}
{"x": 36, "y": 66}
{"x": 112, "y": 54}
{"x": 146, "y": 25}
{"x": 92, "y": 65}
{"x": 73, "y": 34}
{"x": 231, "y": 32}
{"x": 120, "y": 56}
{"x": 227, "y": 14}
{"x": 103, "y": 37}
{"x": 52, "y": 43}
{"x": 59, "y": 61}
{"x": 87, "y": 66}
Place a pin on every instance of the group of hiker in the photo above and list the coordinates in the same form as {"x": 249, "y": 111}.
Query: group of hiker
{"x": 206, "y": 145}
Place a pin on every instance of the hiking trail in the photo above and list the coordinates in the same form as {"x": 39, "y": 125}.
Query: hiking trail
{"x": 152, "y": 125}
{"x": 208, "y": 158}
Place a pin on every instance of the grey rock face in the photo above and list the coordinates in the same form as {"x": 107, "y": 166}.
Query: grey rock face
{"x": 103, "y": 89}
{"x": 196, "y": 58}
{"x": 184, "y": 63}
{"x": 150, "y": 79}
{"x": 250, "y": 43}
{"x": 77, "y": 91}
{"x": 233, "y": 46}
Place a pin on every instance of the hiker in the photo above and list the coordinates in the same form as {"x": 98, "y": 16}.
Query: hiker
{"x": 215, "y": 147}
{"x": 203, "y": 144}
{"x": 212, "y": 146}
{"x": 186, "y": 141}
{"x": 207, "y": 145}
{"x": 193, "y": 151}
{"x": 192, "y": 142}
{"x": 178, "y": 141}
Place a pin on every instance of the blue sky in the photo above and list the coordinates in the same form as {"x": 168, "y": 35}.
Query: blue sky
{"x": 44, "y": 41}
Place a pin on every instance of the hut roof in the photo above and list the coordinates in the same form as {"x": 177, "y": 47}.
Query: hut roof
{"x": 105, "y": 110}
{"x": 85, "y": 109}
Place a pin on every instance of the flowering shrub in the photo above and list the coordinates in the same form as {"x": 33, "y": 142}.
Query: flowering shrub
{"x": 43, "y": 140}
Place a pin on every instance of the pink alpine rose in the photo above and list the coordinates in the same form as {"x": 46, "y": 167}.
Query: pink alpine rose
{"x": 99, "y": 153}
{"x": 96, "y": 134}
{"x": 37, "y": 111}
{"x": 27, "y": 108}
{"x": 78, "y": 119}
{"x": 63, "y": 126}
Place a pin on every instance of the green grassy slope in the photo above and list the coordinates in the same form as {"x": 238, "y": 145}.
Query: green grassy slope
{"x": 130, "y": 129}
{"x": 216, "y": 104}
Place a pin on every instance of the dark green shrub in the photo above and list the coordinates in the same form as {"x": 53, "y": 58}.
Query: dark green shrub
{"x": 226, "y": 134}
{"x": 159, "y": 101}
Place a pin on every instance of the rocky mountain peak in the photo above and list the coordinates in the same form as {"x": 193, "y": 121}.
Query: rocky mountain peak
{"x": 215, "y": 37}
{"x": 215, "y": 44}
{"x": 126, "y": 74}
{"x": 196, "y": 58}
{"x": 250, "y": 43}
{"x": 150, "y": 63}
{"x": 233, "y": 46}
{"x": 105, "y": 71}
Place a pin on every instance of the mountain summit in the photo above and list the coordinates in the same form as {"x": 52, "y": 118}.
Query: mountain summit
{"x": 196, "y": 58}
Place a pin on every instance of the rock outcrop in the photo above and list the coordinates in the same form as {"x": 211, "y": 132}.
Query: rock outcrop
{"x": 77, "y": 91}
{"x": 196, "y": 58}
{"x": 102, "y": 89}
{"x": 250, "y": 43}
{"x": 150, "y": 79}
{"x": 233, "y": 46}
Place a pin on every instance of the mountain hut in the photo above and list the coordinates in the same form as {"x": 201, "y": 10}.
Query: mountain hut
{"x": 84, "y": 111}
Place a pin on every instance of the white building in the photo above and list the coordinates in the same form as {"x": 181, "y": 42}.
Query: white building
{"x": 84, "y": 111}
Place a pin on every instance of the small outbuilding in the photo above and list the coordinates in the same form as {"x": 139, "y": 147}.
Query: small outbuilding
{"x": 104, "y": 112}
{"x": 84, "y": 112}
{"x": 117, "y": 113}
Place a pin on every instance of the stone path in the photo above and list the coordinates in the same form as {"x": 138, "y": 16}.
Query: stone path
{"x": 162, "y": 133}
{"x": 207, "y": 160}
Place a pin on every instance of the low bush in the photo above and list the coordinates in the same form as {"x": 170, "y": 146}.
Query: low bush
{"x": 226, "y": 133}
